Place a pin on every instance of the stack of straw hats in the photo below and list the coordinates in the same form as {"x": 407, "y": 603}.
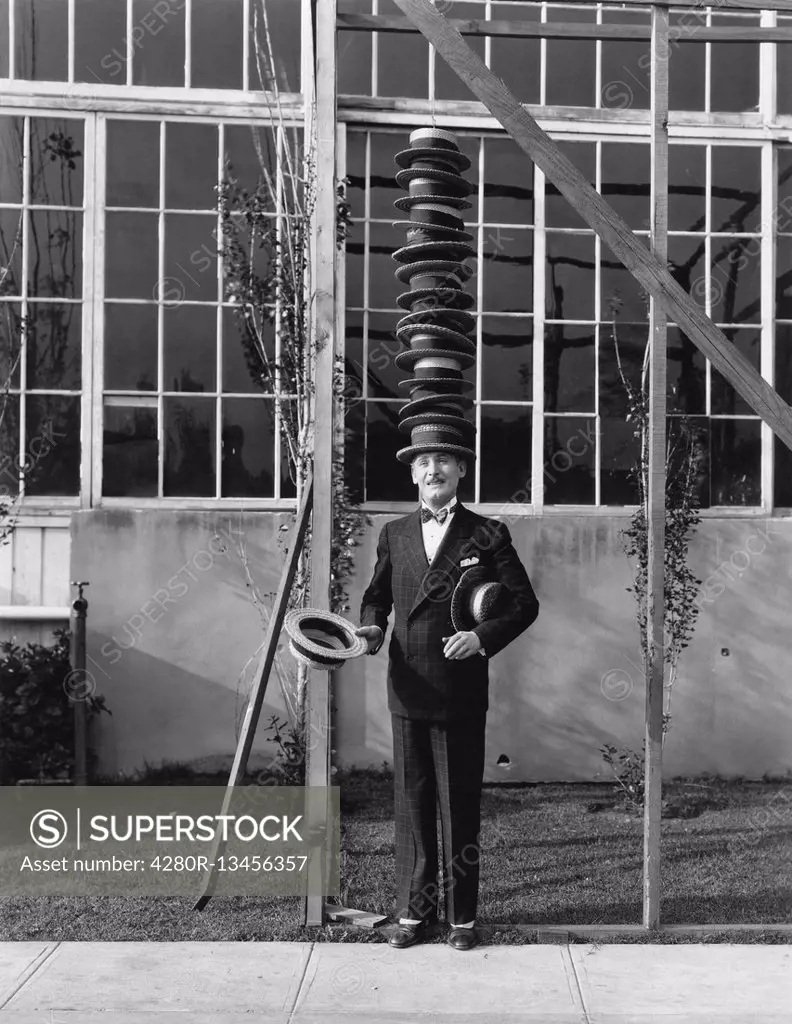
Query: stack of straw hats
{"x": 436, "y": 330}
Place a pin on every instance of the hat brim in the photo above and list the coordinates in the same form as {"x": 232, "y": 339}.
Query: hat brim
{"x": 406, "y": 455}
{"x": 440, "y": 230}
{"x": 417, "y": 382}
{"x": 447, "y": 298}
{"x": 460, "y": 160}
{"x": 338, "y": 629}
{"x": 427, "y": 318}
{"x": 437, "y": 329}
{"x": 456, "y": 202}
{"x": 422, "y": 268}
{"x": 435, "y": 402}
{"x": 410, "y": 253}
{"x": 449, "y": 178}
{"x": 446, "y": 418}
{"x": 407, "y": 360}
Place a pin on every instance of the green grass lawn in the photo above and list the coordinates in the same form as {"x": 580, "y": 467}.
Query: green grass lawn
{"x": 546, "y": 859}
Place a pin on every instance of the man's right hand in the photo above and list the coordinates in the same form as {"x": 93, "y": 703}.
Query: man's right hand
{"x": 372, "y": 634}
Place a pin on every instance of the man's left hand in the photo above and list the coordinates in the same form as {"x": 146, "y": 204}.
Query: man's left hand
{"x": 461, "y": 645}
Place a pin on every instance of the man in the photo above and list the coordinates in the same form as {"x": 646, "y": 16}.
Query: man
{"x": 437, "y": 688}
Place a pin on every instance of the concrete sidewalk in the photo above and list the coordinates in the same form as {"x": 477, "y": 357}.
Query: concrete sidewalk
{"x": 354, "y": 983}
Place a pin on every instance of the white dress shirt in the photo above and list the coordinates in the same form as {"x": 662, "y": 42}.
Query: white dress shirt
{"x": 433, "y": 532}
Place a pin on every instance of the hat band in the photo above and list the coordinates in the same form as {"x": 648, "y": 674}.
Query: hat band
{"x": 436, "y": 363}
{"x": 431, "y": 372}
{"x": 422, "y": 137}
{"x": 433, "y": 432}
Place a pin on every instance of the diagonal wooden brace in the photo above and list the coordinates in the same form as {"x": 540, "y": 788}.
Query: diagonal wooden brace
{"x": 645, "y": 267}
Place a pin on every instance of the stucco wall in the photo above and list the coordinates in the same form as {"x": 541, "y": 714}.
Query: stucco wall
{"x": 573, "y": 681}
{"x": 171, "y": 669}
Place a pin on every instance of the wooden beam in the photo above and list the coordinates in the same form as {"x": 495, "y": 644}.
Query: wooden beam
{"x": 572, "y": 30}
{"x": 256, "y": 699}
{"x": 323, "y": 300}
{"x": 655, "y": 498}
{"x": 647, "y": 269}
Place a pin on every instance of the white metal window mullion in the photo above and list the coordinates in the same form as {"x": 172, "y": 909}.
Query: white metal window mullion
{"x": 597, "y": 321}
{"x": 219, "y": 336}
{"x": 708, "y": 68}
{"x": 11, "y": 45}
{"x": 246, "y": 44}
{"x": 708, "y": 272}
{"x": 70, "y": 42}
{"x": 768, "y": 67}
{"x": 767, "y": 292}
{"x": 598, "y": 64}
{"x": 374, "y": 55}
{"x": 130, "y": 47}
{"x": 543, "y": 66}
{"x": 281, "y": 140}
{"x": 26, "y": 165}
{"x": 340, "y": 306}
{"x": 477, "y": 410}
{"x": 539, "y": 285}
{"x": 91, "y": 341}
{"x": 161, "y": 318}
{"x": 488, "y": 39}
{"x": 366, "y": 260}
{"x": 188, "y": 13}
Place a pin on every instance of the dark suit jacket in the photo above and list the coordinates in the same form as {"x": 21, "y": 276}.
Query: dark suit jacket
{"x": 421, "y": 682}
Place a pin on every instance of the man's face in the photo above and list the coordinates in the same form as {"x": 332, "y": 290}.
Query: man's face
{"x": 437, "y": 475}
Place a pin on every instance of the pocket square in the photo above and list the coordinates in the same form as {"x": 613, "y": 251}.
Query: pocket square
{"x": 473, "y": 560}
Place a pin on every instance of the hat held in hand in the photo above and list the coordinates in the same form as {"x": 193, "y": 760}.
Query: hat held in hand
{"x": 322, "y": 640}
{"x": 477, "y": 597}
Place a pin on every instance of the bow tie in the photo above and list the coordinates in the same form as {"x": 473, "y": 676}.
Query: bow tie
{"x": 441, "y": 516}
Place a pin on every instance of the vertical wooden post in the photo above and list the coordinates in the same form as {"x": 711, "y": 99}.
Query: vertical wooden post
{"x": 657, "y": 479}
{"x": 323, "y": 301}
{"x": 79, "y": 689}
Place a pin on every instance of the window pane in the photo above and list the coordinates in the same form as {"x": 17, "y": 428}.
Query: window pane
{"x": 189, "y": 447}
{"x": 403, "y": 63}
{"x": 9, "y": 445}
{"x": 626, "y": 178}
{"x": 569, "y": 360}
{"x": 190, "y": 257}
{"x": 736, "y": 461}
{"x": 517, "y": 61}
{"x": 354, "y": 63}
{"x": 158, "y": 43}
{"x": 686, "y": 188}
{"x": 355, "y": 446}
{"x": 54, "y": 342}
{"x": 563, "y": 88}
{"x": 100, "y": 41}
{"x": 190, "y": 166}
{"x": 448, "y": 84}
{"x": 621, "y": 296}
{"x": 507, "y": 358}
{"x": 243, "y": 366}
{"x": 190, "y": 348}
{"x": 383, "y": 286}
{"x": 785, "y": 188}
{"x": 355, "y": 266}
{"x": 386, "y": 479}
{"x": 784, "y": 278}
{"x": 686, "y": 64}
{"x": 620, "y": 452}
{"x": 245, "y": 148}
{"x": 625, "y": 65}
{"x": 508, "y": 183}
{"x": 133, "y": 163}
{"x": 568, "y": 474}
{"x": 131, "y": 256}
{"x": 782, "y": 476}
{"x": 736, "y": 188}
{"x": 558, "y": 211}
{"x": 736, "y": 280}
{"x": 508, "y": 271}
{"x": 570, "y": 276}
{"x": 217, "y": 33}
{"x": 56, "y": 161}
{"x": 505, "y": 453}
{"x": 129, "y": 468}
{"x": 3, "y": 38}
{"x": 685, "y": 376}
{"x": 283, "y": 26}
{"x": 130, "y": 333}
{"x": 626, "y": 345}
{"x": 783, "y": 361}
{"x": 248, "y": 448}
{"x": 688, "y": 266}
{"x": 10, "y": 347}
{"x": 54, "y": 258}
{"x": 735, "y": 69}
{"x": 12, "y": 136}
{"x": 53, "y": 443}
{"x": 384, "y": 190}
{"x": 784, "y": 74}
{"x": 42, "y": 35}
{"x": 383, "y": 374}
{"x": 724, "y": 398}
{"x": 11, "y": 252}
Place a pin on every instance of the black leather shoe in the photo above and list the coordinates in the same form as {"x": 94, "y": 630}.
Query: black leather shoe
{"x": 406, "y": 935}
{"x": 462, "y": 938}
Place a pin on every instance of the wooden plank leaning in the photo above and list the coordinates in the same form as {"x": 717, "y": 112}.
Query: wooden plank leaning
{"x": 256, "y": 700}
{"x": 646, "y": 268}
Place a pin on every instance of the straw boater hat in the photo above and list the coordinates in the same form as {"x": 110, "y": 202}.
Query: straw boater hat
{"x": 436, "y": 330}
{"x": 478, "y": 596}
{"x": 322, "y": 640}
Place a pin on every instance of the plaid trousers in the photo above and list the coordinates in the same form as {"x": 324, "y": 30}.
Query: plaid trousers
{"x": 438, "y": 763}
